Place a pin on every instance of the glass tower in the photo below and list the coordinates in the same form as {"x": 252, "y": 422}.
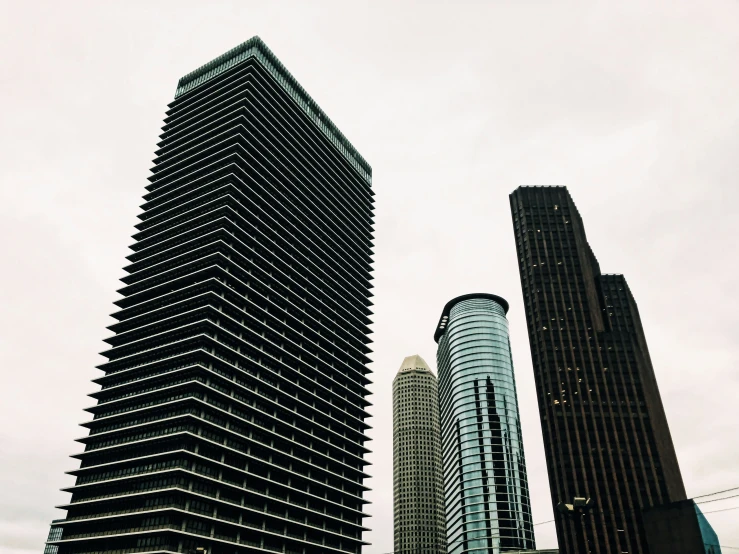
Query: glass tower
{"x": 231, "y": 414}
{"x": 486, "y": 492}
{"x": 708, "y": 535}
{"x": 417, "y": 478}
{"x": 605, "y": 431}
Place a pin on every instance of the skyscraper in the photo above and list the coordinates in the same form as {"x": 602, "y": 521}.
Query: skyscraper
{"x": 486, "y": 490}
{"x": 55, "y": 533}
{"x": 417, "y": 477}
{"x": 605, "y": 431}
{"x": 232, "y": 408}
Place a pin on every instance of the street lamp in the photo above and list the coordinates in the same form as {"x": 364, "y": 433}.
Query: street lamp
{"x": 577, "y": 510}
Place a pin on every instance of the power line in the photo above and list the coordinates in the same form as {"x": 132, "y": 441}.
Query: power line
{"x": 724, "y": 510}
{"x": 715, "y": 493}
{"x": 718, "y": 499}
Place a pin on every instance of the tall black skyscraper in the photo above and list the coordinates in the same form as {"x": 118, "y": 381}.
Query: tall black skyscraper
{"x": 605, "y": 430}
{"x": 232, "y": 408}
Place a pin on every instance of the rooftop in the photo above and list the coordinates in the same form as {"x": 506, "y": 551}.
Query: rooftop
{"x": 444, "y": 319}
{"x": 256, "y": 48}
{"x": 414, "y": 362}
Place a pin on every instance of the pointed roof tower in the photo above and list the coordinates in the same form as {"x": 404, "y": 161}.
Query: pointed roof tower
{"x": 414, "y": 362}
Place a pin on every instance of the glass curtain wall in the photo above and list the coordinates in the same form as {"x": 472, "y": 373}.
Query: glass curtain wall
{"x": 485, "y": 485}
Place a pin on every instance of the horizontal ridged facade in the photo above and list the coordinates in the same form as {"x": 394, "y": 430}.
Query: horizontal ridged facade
{"x": 232, "y": 408}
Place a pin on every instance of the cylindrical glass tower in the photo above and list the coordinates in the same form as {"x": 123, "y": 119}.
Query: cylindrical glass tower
{"x": 485, "y": 486}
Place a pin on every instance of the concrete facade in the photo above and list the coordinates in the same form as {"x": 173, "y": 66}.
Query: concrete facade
{"x": 417, "y": 470}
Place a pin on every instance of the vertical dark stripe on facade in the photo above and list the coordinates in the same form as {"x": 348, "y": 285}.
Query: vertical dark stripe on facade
{"x": 501, "y": 478}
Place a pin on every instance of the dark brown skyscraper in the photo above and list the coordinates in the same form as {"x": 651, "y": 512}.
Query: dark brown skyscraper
{"x": 605, "y": 430}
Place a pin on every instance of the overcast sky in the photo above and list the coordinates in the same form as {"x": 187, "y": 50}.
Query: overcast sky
{"x": 633, "y": 105}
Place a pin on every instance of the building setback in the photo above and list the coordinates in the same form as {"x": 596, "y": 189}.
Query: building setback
{"x": 232, "y": 408}
{"x": 486, "y": 491}
{"x": 417, "y": 478}
{"x": 605, "y": 431}
{"x": 679, "y": 528}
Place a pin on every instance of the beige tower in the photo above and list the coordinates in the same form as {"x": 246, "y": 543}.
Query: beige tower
{"x": 417, "y": 471}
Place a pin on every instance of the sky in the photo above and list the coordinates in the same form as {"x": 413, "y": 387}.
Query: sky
{"x": 634, "y": 106}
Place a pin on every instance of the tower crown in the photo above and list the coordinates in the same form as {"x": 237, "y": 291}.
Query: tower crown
{"x": 255, "y": 47}
{"x": 444, "y": 319}
{"x": 414, "y": 362}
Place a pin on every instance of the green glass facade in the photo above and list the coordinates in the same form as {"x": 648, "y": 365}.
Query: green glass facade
{"x": 708, "y": 535}
{"x": 485, "y": 485}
